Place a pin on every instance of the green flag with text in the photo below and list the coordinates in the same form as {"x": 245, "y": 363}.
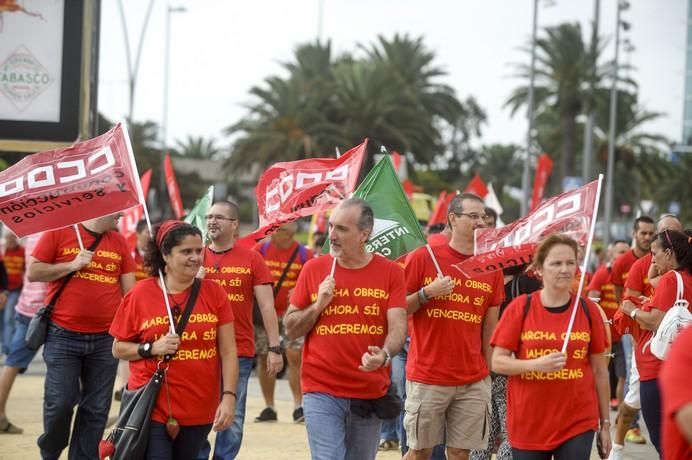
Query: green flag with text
{"x": 198, "y": 213}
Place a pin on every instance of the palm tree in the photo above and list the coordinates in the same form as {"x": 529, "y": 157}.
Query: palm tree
{"x": 564, "y": 66}
{"x": 197, "y": 147}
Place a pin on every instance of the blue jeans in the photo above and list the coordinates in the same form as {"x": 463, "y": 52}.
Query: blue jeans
{"x": 399, "y": 380}
{"x": 8, "y": 319}
{"x": 228, "y": 441}
{"x": 186, "y": 444}
{"x": 80, "y": 371}
{"x": 335, "y": 433}
{"x": 19, "y": 355}
{"x": 651, "y": 409}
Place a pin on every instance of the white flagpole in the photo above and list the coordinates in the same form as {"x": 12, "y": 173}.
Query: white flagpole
{"x": 79, "y": 237}
{"x": 437, "y": 265}
{"x": 331, "y": 273}
{"x": 143, "y": 202}
{"x": 585, "y": 263}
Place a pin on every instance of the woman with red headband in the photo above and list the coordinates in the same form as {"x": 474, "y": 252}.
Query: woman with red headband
{"x": 204, "y": 357}
{"x": 672, "y": 252}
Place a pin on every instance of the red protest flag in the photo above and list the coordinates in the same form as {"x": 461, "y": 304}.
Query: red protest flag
{"x": 290, "y": 190}
{"x": 570, "y": 213}
{"x": 128, "y": 223}
{"x": 61, "y": 187}
{"x": 477, "y": 186}
{"x": 172, "y": 186}
{"x": 543, "y": 170}
{"x": 439, "y": 214}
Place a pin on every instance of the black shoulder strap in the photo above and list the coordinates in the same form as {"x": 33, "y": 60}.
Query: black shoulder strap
{"x": 586, "y": 309}
{"x": 527, "y": 307}
{"x": 282, "y": 278}
{"x": 182, "y": 322}
{"x": 51, "y": 304}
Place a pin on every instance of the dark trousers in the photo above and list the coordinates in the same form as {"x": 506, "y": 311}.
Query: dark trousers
{"x": 80, "y": 371}
{"x": 650, "y": 396}
{"x": 185, "y": 447}
{"x": 576, "y": 448}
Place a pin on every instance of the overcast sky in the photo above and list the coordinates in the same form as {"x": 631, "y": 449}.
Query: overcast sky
{"x": 221, "y": 48}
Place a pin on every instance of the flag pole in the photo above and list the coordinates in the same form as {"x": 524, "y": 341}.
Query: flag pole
{"x": 79, "y": 237}
{"x": 585, "y": 263}
{"x": 143, "y": 202}
{"x": 432, "y": 256}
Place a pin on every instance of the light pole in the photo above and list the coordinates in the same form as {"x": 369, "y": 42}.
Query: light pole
{"x": 588, "y": 128}
{"x": 526, "y": 176}
{"x": 166, "y": 74}
{"x": 621, "y": 5}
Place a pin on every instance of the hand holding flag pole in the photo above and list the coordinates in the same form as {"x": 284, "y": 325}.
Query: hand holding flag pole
{"x": 585, "y": 264}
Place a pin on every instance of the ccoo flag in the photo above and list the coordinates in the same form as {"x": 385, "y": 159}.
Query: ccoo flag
{"x": 396, "y": 230}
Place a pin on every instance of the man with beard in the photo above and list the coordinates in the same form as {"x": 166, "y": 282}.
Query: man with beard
{"x": 450, "y": 392}
{"x": 80, "y": 367}
{"x": 242, "y": 273}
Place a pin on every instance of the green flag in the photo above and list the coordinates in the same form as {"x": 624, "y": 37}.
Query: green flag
{"x": 396, "y": 230}
{"x": 197, "y": 215}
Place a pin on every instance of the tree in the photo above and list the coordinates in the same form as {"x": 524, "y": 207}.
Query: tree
{"x": 197, "y": 147}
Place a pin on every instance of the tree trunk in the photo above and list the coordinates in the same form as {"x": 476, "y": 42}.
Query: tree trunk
{"x": 569, "y": 141}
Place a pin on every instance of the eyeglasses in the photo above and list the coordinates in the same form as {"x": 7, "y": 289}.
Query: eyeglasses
{"x": 218, "y": 217}
{"x": 472, "y": 215}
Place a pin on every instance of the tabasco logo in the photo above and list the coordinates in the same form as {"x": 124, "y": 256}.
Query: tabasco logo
{"x": 23, "y": 78}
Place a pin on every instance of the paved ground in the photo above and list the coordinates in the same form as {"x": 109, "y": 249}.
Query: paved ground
{"x": 262, "y": 441}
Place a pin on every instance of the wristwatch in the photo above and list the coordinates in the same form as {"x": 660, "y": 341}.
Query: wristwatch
{"x": 275, "y": 349}
{"x": 634, "y": 313}
{"x": 387, "y": 358}
{"x": 145, "y": 350}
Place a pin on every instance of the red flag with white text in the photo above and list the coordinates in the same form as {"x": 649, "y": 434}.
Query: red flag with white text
{"x": 290, "y": 190}
{"x": 128, "y": 223}
{"x": 477, "y": 186}
{"x": 61, "y": 187}
{"x": 569, "y": 213}
{"x": 172, "y": 186}
{"x": 543, "y": 170}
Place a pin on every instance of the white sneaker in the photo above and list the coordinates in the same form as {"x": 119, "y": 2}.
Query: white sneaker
{"x": 617, "y": 452}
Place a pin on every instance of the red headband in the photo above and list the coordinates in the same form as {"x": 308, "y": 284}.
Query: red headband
{"x": 166, "y": 228}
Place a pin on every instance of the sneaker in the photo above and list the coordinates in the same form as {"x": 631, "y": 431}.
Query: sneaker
{"x": 267, "y": 415}
{"x": 298, "y": 416}
{"x": 389, "y": 444}
{"x": 634, "y": 435}
{"x": 6, "y": 427}
{"x": 616, "y": 452}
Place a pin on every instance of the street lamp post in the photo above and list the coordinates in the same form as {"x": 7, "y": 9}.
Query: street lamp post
{"x": 621, "y": 5}
{"x": 166, "y": 75}
{"x": 590, "y": 120}
{"x": 526, "y": 176}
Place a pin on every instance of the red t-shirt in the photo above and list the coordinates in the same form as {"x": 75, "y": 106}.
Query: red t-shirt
{"x": 638, "y": 278}
{"x": 438, "y": 239}
{"x": 544, "y": 409}
{"x": 276, "y": 260}
{"x": 355, "y": 319}
{"x": 676, "y": 393}
{"x": 663, "y": 299}
{"x": 93, "y": 294}
{"x": 451, "y": 322}
{"x": 194, "y": 374}
{"x": 600, "y": 282}
{"x": 238, "y": 271}
{"x": 140, "y": 272}
{"x": 621, "y": 268}
{"x": 15, "y": 264}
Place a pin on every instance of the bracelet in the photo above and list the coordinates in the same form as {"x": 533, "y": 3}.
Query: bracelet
{"x": 634, "y": 313}
{"x": 422, "y": 298}
{"x": 229, "y": 392}
{"x": 605, "y": 422}
{"x": 387, "y": 358}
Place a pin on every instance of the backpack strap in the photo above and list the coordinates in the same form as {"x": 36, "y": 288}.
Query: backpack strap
{"x": 302, "y": 253}
{"x": 680, "y": 286}
{"x": 527, "y": 306}
{"x": 264, "y": 247}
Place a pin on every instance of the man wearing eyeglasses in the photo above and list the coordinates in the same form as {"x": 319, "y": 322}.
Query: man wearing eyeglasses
{"x": 450, "y": 391}
{"x": 242, "y": 273}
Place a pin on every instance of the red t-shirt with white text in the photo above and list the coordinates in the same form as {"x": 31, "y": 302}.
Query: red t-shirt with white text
{"x": 446, "y": 340}
{"x": 545, "y": 409}
{"x": 238, "y": 271}
{"x": 276, "y": 260}
{"x": 194, "y": 374}
{"x": 355, "y": 319}
{"x": 93, "y": 294}
{"x": 15, "y": 264}
{"x": 676, "y": 393}
{"x": 638, "y": 278}
{"x": 601, "y": 282}
{"x": 663, "y": 299}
